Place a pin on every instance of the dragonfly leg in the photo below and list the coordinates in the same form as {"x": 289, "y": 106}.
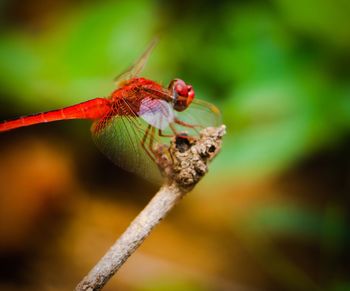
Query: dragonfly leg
{"x": 160, "y": 133}
{"x": 149, "y": 148}
{"x": 155, "y": 153}
{"x": 151, "y": 140}
{"x": 173, "y": 129}
{"x": 185, "y": 124}
{"x": 149, "y": 151}
{"x": 176, "y": 133}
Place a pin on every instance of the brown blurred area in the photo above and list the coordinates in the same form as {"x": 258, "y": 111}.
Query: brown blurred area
{"x": 53, "y": 229}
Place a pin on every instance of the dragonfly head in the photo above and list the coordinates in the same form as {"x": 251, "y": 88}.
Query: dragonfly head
{"x": 182, "y": 94}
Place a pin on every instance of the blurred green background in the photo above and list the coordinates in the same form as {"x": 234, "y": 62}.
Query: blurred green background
{"x": 272, "y": 214}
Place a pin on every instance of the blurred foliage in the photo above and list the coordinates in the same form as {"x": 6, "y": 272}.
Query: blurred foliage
{"x": 279, "y": 72}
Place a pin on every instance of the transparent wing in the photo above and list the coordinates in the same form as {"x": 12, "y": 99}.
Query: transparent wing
{"x": 156, "y": 112}
{"x": 137, "y": 67}
{"x": 199, "y": 114}
{"x": 128, "y": 140}
{"x": 121, "y": 141}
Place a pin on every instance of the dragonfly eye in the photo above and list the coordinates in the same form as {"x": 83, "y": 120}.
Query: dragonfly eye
{"x": 183, "y": 94}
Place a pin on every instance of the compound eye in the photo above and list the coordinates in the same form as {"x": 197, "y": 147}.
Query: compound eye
{"x": 182, "y": 94}
{"x": 181, "y": 88}
{"x": 190, "y": 95}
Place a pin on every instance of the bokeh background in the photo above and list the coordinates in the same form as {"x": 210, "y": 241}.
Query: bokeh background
{"x": 272, "y": 214}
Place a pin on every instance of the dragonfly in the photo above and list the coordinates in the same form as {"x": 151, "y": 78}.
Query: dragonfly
{"x": 138, "y": 114}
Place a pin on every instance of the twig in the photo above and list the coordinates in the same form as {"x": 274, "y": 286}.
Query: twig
{"x": 184, "y": 167}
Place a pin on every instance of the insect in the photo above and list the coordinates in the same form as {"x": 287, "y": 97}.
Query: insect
{"x": 139, "y": 113}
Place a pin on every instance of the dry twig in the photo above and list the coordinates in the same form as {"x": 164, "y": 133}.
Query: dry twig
{"x": 188, "y": 164}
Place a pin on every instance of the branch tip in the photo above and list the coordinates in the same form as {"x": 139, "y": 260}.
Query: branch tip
{"x": 184, "y": 162}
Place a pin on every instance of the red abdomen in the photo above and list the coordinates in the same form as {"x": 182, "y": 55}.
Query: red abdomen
{"x": 92, "y": 109}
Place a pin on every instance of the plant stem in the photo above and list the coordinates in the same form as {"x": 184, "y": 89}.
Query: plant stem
{"x": 187, "y": 166}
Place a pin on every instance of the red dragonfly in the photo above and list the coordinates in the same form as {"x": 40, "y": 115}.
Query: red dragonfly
{"x": 137, "y": 114}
